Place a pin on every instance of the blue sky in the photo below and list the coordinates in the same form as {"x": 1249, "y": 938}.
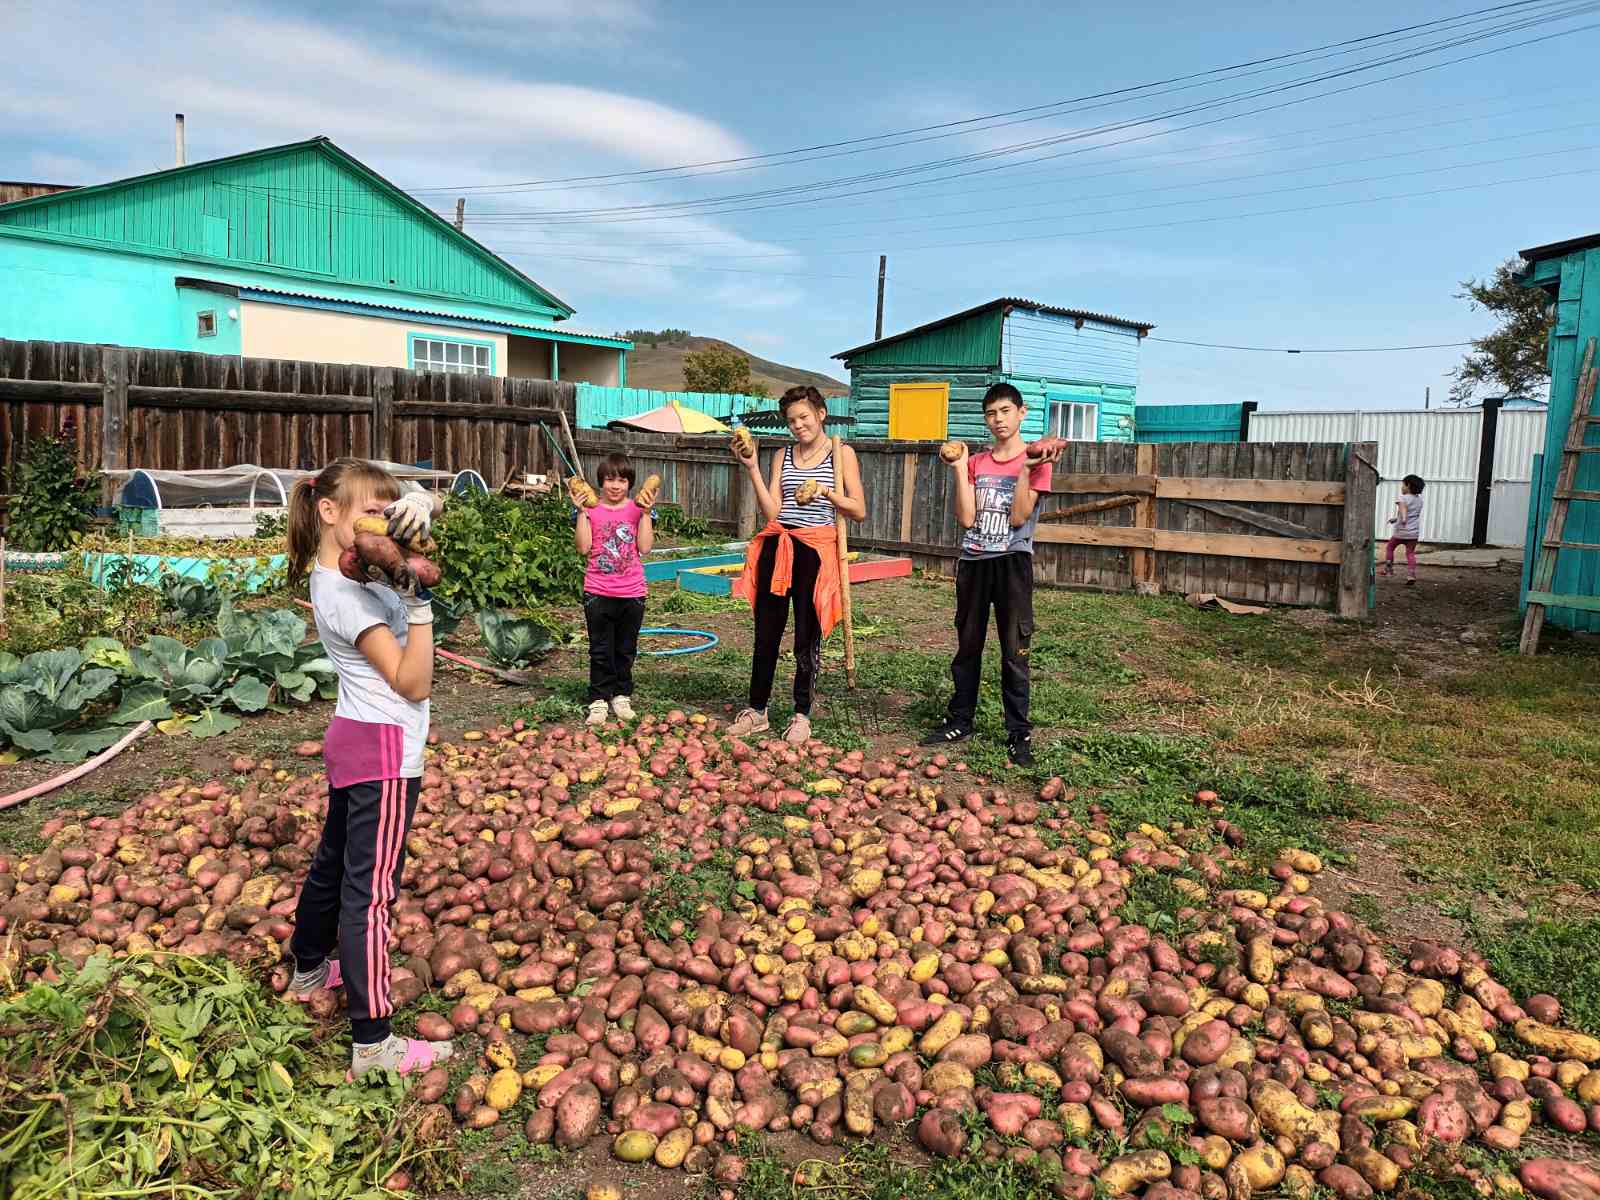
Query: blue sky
{"x": 484, "y": 93}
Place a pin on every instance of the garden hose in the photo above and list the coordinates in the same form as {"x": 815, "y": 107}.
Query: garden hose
{"x": 78, "y": 772}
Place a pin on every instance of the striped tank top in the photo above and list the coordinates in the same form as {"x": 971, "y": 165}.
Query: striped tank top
{"x": 793, "y": 514}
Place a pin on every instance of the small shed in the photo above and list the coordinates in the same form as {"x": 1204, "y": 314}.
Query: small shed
{"x": 1078, "y": 373}
{"x": 1569, "y": 273}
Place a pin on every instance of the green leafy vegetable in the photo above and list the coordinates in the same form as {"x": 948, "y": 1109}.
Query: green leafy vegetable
{"x": 514, "y": 641}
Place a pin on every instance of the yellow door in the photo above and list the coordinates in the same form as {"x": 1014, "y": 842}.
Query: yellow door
{"x": 919, "y": 412}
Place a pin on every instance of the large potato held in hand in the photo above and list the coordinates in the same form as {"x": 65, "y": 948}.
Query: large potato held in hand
{"x": 952, "y": 451}
{"x": 744, "y": 443}
{"x": 1044, "y": 446}
{"x": 807, "y": 491}
{"x": 378, "y": 558}
{"x": 646, "y": 496}
{"x": 582, "y": 494}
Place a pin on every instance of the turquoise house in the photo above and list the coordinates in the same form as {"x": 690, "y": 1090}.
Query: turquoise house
{"x": 293, "y": 252}
{"x": 1078, "y": 373}
{"x": 1569, "y": 274}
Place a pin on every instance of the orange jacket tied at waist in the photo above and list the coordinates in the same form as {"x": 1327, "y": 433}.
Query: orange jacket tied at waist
{"x": 824, "y": 540}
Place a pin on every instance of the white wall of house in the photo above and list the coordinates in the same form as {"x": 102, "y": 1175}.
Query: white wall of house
{"x": 319, "y": 335}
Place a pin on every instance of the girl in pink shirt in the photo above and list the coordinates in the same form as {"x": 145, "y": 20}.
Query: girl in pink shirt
{"x": 614, "y": 533}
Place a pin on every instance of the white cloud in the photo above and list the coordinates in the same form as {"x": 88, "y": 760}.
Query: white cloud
{"x": 297, "y": 79}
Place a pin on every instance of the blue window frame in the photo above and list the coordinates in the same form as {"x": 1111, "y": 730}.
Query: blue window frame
{"x": 450, "y": 356}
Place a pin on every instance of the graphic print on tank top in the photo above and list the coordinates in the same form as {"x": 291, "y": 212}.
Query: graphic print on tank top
{"x": 618, "y": 552}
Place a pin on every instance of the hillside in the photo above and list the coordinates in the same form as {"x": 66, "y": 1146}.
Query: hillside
{"x": 661, "y": 367}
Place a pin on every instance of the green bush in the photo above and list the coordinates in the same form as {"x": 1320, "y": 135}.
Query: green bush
{"x": 496, "y": 552}
{"x": 54, "y": 505}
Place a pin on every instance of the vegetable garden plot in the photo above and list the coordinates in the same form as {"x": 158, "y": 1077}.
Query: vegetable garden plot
{"x": 663, "y": 937}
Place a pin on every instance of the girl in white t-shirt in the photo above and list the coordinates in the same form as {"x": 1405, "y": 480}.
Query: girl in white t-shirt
{"x": 1407, "y": 522}
{"x": 380, "y": 640}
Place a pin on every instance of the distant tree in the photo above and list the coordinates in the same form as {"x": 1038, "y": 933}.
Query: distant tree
{"x": 1511, "y": 359}
{"x": 653, "y": 337}
{"x": 716, "y": 369}
{"x": 757, "y": 389}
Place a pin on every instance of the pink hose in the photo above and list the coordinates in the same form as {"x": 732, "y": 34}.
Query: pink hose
{"x": 79, "y": 771}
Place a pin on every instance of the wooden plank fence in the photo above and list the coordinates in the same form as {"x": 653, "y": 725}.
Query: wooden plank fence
{"x": 1281, "y": 523}
{"x": 169, "y": 410}
{"x": 1277, "y": 522}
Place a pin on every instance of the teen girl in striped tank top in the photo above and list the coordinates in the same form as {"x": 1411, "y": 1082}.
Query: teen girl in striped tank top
{"x": 793, "y": 560}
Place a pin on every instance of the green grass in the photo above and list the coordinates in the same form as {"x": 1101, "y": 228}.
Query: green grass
{"x": 1561, "y": 957}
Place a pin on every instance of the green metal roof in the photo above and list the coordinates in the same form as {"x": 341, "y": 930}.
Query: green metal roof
{"x": 976, "y": 355}
{"x": 307, "y": 209}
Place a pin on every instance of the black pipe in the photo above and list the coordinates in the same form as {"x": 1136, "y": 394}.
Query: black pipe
{"x": 1485, "y": 494}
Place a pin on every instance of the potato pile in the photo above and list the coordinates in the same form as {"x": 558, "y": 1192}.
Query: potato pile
{"x": 898, "y": 943}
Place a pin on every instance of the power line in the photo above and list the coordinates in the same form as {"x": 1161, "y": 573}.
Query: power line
{"x": 1312, "y": 350}
{"x": 658, "y": 174}
{"x": 710, "y": 205}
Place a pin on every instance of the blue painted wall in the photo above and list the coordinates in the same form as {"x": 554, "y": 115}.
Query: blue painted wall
{"x": 64, "y": 292}
{"x": 1572, "y": 280}
{"x": 1046, "y": 346}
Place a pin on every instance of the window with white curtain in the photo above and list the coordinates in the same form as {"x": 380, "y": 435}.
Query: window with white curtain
{"x": 452, "y": 358}
{"x": 1075, "y": 422}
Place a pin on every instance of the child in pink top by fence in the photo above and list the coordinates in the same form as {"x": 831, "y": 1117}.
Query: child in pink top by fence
{"x": 614, "y": 534}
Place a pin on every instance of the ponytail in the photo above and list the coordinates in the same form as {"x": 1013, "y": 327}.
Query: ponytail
{"x": 339, "y": 481}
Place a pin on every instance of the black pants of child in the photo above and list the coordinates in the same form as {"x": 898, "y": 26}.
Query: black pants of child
{"x": 352, "y": 885}
{"x": 772, "y": 614}
{"x": 1004, "y": 583}
{"x": 613, "y": 623}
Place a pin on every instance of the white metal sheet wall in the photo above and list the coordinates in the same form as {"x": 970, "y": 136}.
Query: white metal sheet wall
{"x": 1518, "y": 437}
{"x": 1439, "y": 445}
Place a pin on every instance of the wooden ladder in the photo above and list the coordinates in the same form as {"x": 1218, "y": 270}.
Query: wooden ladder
{"x": 1540, "y": 597}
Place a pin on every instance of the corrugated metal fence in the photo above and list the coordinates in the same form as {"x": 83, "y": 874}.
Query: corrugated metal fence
{"x": 1442, "y": 446}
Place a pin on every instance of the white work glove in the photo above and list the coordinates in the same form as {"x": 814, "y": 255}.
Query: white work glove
{"x": 417, "y": 599}
{"x": 411, "y": 517}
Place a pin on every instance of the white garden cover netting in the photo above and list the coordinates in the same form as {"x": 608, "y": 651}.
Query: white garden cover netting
{"x": 252, "y": 486}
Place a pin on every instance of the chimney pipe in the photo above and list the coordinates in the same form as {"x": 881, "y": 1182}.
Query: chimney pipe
{"x": 178, "y": 117}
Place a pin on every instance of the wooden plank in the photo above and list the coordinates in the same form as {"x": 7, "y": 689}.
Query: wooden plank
{"x": 1355, "y": 558}
{"x": 1235, "y": 512}
{"x": 463, "y": 410}
{"x": 1102, "y": 483}
{"x": 908, "y": 491}
{"x": 1176, "y": 541}
{"x": 178, "y": 398}
{"x": 48, "y": 391}
{"x": 114, "y": 407}
{"x": 1250, "y": 490}
{"x": 1142, "y": 563}
{"x": 1551, "y": 600}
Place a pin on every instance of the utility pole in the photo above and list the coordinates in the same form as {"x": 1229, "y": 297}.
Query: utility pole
{"x": 1427, "y": 398}
{"x": 178, "y": 120}
{"x": 461, "y": 212}
{"x": 883, "y": 262}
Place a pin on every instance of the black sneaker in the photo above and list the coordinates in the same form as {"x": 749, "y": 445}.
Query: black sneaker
{"x": 948, "y": 734}
{"x": 1019, "y": 749}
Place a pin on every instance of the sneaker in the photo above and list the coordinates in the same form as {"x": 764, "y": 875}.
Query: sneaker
{"x": 799, "y": 731}
{"x": 599, "y": 710}
{"x": 1411, "y": 582}
{"x": 751, "y": 720}
{"x": 622, "y": 706}
{"x": 1019, "y": 749}
{"x": 402, "y": 1055}
{"x": 325, "y": 974}
{"x": 948, "y": 733}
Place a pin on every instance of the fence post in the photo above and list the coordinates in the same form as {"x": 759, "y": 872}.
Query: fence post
{"x": 745, "y": 507}
{"x": 1487, "y": 436}
{"x": 114, "y": 408}
{"x": 1360, "y": 504}
{"x": 1142, "y": 563}
{"x": 383, "y": 414}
